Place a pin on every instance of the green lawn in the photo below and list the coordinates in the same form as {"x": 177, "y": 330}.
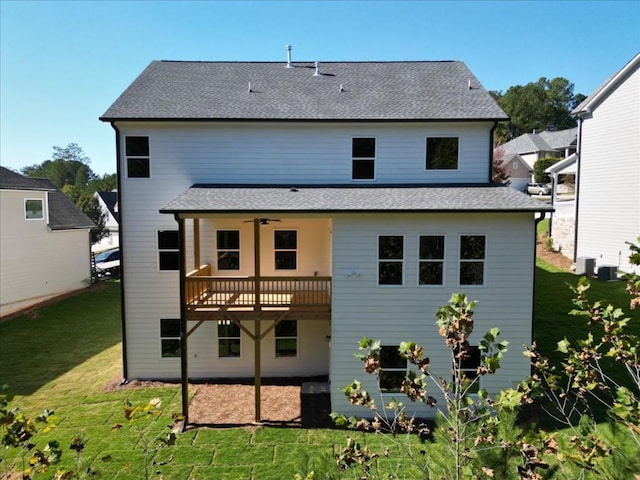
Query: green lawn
{"x": 62, "y": 357}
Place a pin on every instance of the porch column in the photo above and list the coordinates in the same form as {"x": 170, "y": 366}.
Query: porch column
{"x": 257, "y": 311}
{"x": 196, "y": 243}
{"x": 184, "y": 369}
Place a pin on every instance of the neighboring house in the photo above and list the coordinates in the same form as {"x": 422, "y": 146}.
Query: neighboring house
{"x": 108, "y": 202}
{"x": 44, "y": 242}
{"x": 533, "y": 146}
{"x": 273, "y": 214}
{"x": 518, "y": 171}
{"x": 608, "y": 198}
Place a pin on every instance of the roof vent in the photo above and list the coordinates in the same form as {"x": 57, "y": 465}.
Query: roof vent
{"x": 289, "y": 57}
{"x": 317, "y": 72}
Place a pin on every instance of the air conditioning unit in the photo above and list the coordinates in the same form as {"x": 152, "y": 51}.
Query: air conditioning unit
{"x": 585, "y": 266}
{"x": 607, "y": 272}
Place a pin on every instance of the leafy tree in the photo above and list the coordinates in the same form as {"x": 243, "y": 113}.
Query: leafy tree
{"x": 91, "y": 208}
{"x": 499, "y": 173}
{"x": 541, "y": 165}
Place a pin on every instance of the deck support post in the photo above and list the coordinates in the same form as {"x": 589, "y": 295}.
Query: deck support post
{"x": 257, "y": 310}
{"x": 184, "y": 369}
{"x": 196, "y": 243}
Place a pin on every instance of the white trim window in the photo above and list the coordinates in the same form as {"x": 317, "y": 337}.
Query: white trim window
{"x": 228, "y": 246}
{"x": 285, "y": 243}
{"x": 442, "y": 153}
{"x": 469, "y": 368}
{"x": 472, "y": 259}
{"x": 394, "y": 369}
{"x": 168, "y": 249}
{"x": 431, "y": 260}
{"x": 390, "y": 259}
{"x": 363, "y": 158}
{"x": 228, "y": 339}
{"x": 286, "y": 335}
{"x": 170, "y": 337}
{"x": 33, "y": 209}
{"x": 137, "y": 154}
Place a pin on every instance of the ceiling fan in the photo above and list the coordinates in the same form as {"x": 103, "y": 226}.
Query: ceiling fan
{"x": 265, "y": 221}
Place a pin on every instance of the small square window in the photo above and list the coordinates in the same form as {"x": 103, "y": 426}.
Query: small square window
{"x": 442, "y": 153}
{"x": 138, "y": 168}
{"x": 170, "y": 337}
{"x": 33, "y": 209}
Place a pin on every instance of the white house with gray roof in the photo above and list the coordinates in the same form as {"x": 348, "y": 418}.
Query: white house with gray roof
{"x": 273, "y": 214}
{"x": 44, "y": 242}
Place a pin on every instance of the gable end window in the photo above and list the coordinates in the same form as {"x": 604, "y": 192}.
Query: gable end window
{"x": 169, "y": 249}
{"x": 472, "y": 259}
{"x": 33, "y": 209}
{"x": 431, "y": 254}
{"x": 228, "y": 242}
{"x": 390, "y": 259}
{"x": 285, "y": 245}
{"x": 442, "y": 153}
{"x": 170, "y": 337}
{"x": 363, "y": 153}
{"x": 137, "y": 153}
{"x": 286, "y": 333}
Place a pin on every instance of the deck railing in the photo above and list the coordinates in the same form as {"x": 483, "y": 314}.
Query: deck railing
{"x": 204, "y": 291}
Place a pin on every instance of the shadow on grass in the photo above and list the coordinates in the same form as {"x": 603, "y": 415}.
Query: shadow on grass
{"x": 43, "y": 344}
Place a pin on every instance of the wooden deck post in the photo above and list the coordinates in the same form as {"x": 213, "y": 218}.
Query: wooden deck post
{"x": 196, "y": 243}
{"x": 184, "y": 368}
{"x": 257, "y": 309}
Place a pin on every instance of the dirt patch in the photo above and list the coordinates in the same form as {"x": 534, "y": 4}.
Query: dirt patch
{"x": 552, "y": 257}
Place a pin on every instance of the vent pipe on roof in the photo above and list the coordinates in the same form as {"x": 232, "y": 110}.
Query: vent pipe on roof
{"x": 317, "y": 72}
{"x": 289, "y": 57}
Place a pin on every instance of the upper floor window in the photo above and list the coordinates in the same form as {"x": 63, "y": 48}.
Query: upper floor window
{"x": 363, "y": 153}
{"x": 170, "y": 337}
{"x": 285, "y": 245}
{"x": 228, "y": 242}
{"x": 390, "y": 259}
{"x": 394, "y": 369}
{"x": 33, "y": 209}
{"x": 286, "y": 332}
{"x": 431, "y": 253}
{"x": 137, "y": 153}
{"x": 169, "y": 249}
{"x": 472, "y": 258}
{"x": 442, "y": 153}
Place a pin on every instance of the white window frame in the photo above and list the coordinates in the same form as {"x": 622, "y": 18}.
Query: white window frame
{"x": 474, "y": 371}
{"x": 373, "y": 159}
{"x": 167, "y": 250}
{"x": 295, "y": 250}
{"x": 426, "y": 160}
{"x": 442, "y": 260}
{"x": 171, "y": 337}
{"x": 474, "y": 260}
{"x": 404, "y": 370}
{"x": 218, "y": 337}
{"x": 387, "y": 260}
{"x": 286, "y": 337}
{"x": 42, "y": 203}
{"x": 229, "y": 250}
{"x": 137, "y": 157}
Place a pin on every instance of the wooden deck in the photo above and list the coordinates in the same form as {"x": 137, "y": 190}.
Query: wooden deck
{"x": 214, "y": 298}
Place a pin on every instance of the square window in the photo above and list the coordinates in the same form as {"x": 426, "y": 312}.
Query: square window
{"x": 138, "y": 168}
{"x": 286, "y": 334}
{"x": 228, "y": 242}
{"x": 442, "y": 153}
{"x": 33, "y": 209}
{"x": 228, "y": 339}
{"x": 363, "y": 153}
{"x": 169, "y": 249}
{"x": 390, "y": 259}
{"x": 472, "y": 259}
{"x": 285, "y": 245}
{"x": 170, "y": 337}
{"x": 431, "y": 253}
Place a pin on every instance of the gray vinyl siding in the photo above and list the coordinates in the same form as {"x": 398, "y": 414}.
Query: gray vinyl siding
{"x": 609, "y": 202}
{"x": 394, "y": 314}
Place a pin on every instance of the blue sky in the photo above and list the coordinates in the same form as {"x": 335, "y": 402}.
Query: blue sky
{"x": 63, "y": 63}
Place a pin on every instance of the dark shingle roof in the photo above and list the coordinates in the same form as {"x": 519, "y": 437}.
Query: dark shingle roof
{"x": 340, "y": 198}
{"x": 169, "y": 90}
{"x": 63, "y": 213}
{"x": 110, "y": 199}
{"x": 542, "y": 142}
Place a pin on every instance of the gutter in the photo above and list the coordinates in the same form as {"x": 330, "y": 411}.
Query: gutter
{"x": 578, "y": 182}
{"x": 123, "y": 311}
{"x": 533, "y": 290}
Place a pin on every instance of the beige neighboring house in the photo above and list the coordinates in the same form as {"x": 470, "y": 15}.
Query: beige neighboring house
{"x": 518, "y": 170}
{"x": 608, "y": 193}
{"x": 533, "y": 146}
{"x": 44, "y": 242}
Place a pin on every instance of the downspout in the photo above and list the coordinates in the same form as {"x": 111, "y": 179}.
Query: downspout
{"x": 535, "y": 269}
{"x": 491, "y": 132}
{"x": 577, "y": 201}
{"x": 123, "y": 311}
{"x": 184, "y": 368}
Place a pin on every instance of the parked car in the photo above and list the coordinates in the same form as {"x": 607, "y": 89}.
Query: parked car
{"x": 108, "y": 263}
{"x": 538, "y": 189}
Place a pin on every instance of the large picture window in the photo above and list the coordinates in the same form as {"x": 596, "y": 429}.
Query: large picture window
{"x": 390, "y": 259}
{"x": 442, "y": 153}
{"x": 228, "y": 339}
{"x": 472, "y": 259}
{"x": 394, "y": 369}
{"x": 170, "y": 337}
{"x": 228, "y": 242}
{"x": 137, "y": 153}
{"x": 286, "y": 249}
{"x": 286, "y": 332}
{"x": 431, "y": 254}
{"x": 33, "y": 209}
{"x": 169, "y": 249}
{"x": 363, "y": 153}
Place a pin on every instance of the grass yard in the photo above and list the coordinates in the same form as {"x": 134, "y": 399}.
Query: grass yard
{"x": 62, "y": 357}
